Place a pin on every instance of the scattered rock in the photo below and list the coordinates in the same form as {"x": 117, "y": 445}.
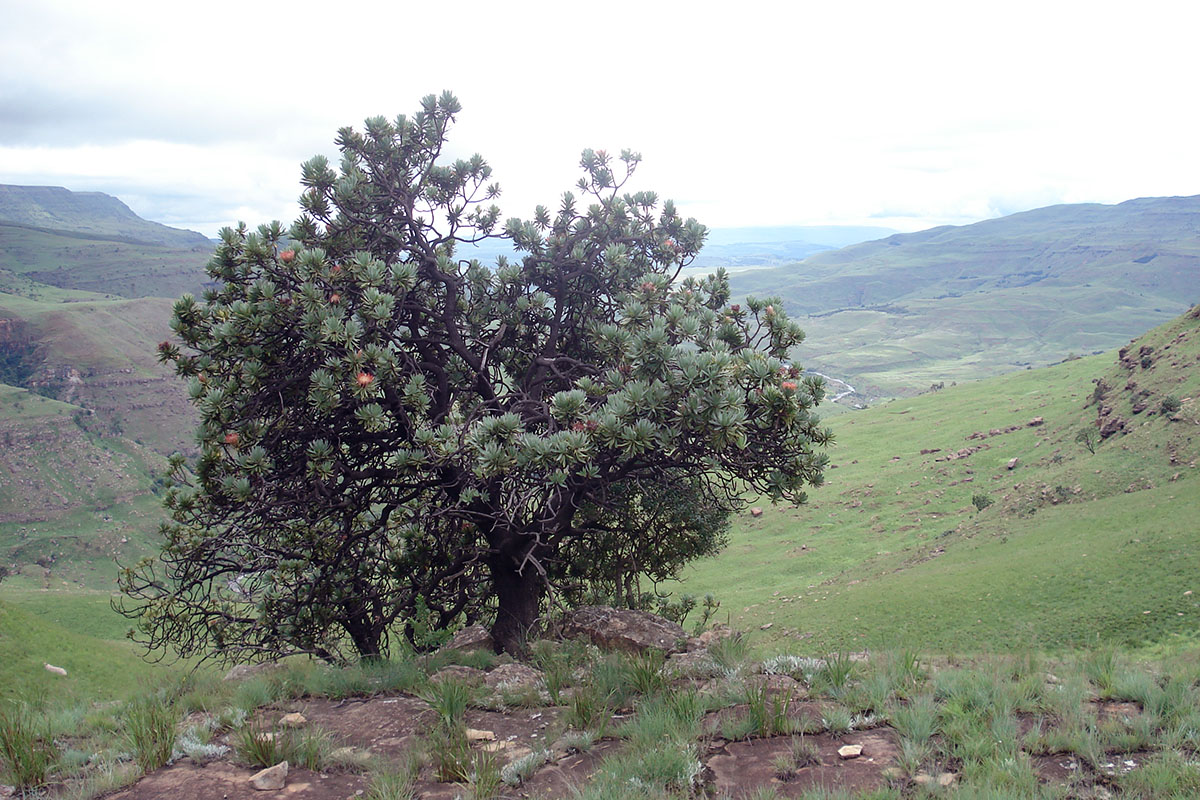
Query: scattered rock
{"x": 1012, "y": 463}
{"x": 293, "y": 720}
{"x": 471, "y": 638}
{"x": 850, "y": 751}
{"x": 624, "y": 629}
{"x": 350, "y": 755}
{"x": 756, "y": 512}
{"x": 271, "y": 778}
{"x": 509, "y": 676}
{"x": 457, "y": 672}
{"x": 946, "y": 779}
{"x": 242, "y": 671}
{"x": 695, "y": 663}
{"x": 766, "y": 626}
{"x": 1036, "y": 421}
{"x": 7, "y": 791}
{"x": 923, "y": 779}
{"x": 474, "y": 735}
{"x": 55, "y": 670}
{"x": 718, "y": 631}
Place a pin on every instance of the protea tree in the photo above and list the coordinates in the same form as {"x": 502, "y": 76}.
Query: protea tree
{"x": 396, "y": 437}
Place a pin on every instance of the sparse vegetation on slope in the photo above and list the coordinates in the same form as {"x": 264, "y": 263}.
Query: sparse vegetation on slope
{"x": 809, "y": 726}
{"x": 1073, "y": 548}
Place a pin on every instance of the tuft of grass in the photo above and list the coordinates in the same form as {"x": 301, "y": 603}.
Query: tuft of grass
{"x": 256, "y": 745}
{"x": 767, "y": 711}
{"x": 645, "y": 672}
{"x": 397, "y": 782}
{"x": 483, "y": 776}
{"x": 729, "y": 653}
{"x": 918, "y": 720}
{"x": 27, "y": 750}
{"x": 150, "y": 730}
{"x": 835, "y": 674}
{"x": 450, "y": 700}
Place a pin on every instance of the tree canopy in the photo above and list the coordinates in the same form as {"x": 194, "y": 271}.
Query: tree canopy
{"x": 395, "y": 437}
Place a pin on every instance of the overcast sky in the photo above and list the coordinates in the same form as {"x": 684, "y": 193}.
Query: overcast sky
{"x": 902, "y": 114}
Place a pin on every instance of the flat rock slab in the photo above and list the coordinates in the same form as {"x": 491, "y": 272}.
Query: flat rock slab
{"x": 225, "y": 781}
{"x": 740, "y": 768}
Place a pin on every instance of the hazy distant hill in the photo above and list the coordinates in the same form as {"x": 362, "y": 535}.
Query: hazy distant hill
{"x": 964, "y": 302}
{"x": 93, "y": 213}
{"x": 112, "y": 266}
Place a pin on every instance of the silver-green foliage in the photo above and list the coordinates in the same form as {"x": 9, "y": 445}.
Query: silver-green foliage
{"x": 392, "y": 431}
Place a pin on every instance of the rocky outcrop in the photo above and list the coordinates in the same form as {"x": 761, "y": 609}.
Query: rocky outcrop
{"x": 623, "y": 629}
{"x": 471, "y": 638}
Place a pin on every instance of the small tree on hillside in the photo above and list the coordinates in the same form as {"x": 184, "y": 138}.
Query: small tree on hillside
{"x": 394, "y": 435}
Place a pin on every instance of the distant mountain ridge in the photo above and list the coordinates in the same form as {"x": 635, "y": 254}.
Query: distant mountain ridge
{"x": 963, "y": 302}
{"x": 1064, "y": 244}
{"x": 91, "y": 213}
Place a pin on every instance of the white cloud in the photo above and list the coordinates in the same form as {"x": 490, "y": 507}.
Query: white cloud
{"x": 913, "y": 113}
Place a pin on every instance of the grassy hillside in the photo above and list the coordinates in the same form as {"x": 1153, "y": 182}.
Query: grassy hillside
{"x": 92, "y": 213}
{"x": 964, "y": 302}
{"x": 99, "y": 355}
{"x": 105, "y": 266}
{"x": 98, "y": 667}
{"x": 1074, "y": 548}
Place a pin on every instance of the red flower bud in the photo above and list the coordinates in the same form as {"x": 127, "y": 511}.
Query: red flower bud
{"x": 287, "y": 255}
{"x": 788, "y": 386}
{"x": 231, "y": 439}
{"x": 365, "y": 379}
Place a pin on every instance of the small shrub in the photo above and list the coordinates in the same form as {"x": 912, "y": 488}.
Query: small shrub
{"x": 981, "y": 501}
{"x": 1170, "y": 406}
{"x": 1088, "y": 438}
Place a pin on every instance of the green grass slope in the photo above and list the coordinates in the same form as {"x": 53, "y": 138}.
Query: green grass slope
{"x": 1076, "y": 547}
{"x": 97, "y": 668}
{"x": 100, "y": 355}
{"x": 966, "y": 302}
{"x": 106, "y": 266}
